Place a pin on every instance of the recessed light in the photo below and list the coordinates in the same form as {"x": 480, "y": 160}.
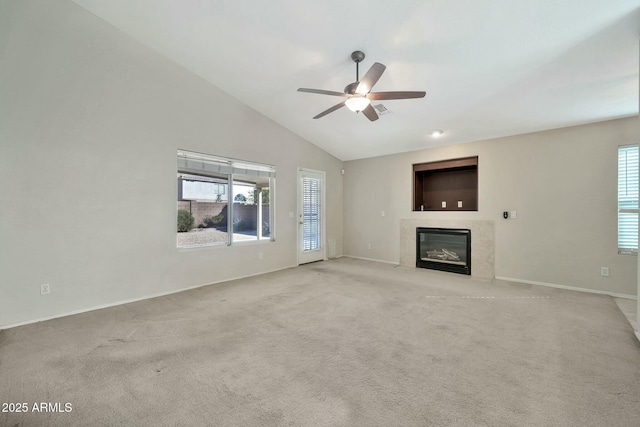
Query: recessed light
{"x": 436, "y": 133}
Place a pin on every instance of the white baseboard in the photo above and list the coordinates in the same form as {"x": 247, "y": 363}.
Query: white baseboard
{"x": 371, "y": 259}
{"x": 569, "y": 288}
{"x": 161, "y": 294}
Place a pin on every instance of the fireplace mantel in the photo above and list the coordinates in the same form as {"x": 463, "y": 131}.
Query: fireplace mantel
{"x": 482, "y": 242}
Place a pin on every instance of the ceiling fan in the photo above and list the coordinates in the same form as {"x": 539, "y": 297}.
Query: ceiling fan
{"x": 358, "y": 93}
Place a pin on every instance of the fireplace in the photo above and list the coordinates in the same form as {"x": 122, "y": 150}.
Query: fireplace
{"x": 445, "y": 249}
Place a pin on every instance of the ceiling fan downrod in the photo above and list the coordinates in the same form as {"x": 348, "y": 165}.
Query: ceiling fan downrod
{"x": 357, "y": 57}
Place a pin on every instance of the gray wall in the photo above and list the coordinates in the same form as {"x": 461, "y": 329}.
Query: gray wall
{"x": 562, "y": 183}
{"x": 90, "y": 121}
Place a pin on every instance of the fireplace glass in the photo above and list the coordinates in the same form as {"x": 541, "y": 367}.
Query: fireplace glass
{"x": 445, "y": 249}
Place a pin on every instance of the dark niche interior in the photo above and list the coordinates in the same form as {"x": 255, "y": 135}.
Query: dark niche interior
{"x": 447, "y": 185}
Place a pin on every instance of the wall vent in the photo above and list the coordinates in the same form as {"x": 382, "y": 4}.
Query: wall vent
{"x": 381, "y": 109}
{"x": 332, "y": 248}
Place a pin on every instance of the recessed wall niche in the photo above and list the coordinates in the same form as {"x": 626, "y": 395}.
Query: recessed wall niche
{"x": 447, "y": 185}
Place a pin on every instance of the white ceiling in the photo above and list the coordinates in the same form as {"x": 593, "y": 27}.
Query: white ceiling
{"x": 490, "y": 67}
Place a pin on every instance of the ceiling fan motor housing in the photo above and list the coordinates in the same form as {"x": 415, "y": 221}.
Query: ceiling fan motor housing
{"x": 350, "y": 89}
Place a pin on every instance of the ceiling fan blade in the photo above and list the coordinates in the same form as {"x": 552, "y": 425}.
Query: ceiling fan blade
{"x": 370, "y": 113}
{"x": 322, "y": 92}
{"x": 394, "y": 95}
{"x": 330, "y": 110}
{"x": 371, "y": 78}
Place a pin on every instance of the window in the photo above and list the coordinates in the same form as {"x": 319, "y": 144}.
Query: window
{"x": 222, "y": 201}
{"x": 628, "y": 199}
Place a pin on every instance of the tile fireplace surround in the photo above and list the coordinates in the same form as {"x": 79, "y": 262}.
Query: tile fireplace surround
{"x": 482, "y": 242}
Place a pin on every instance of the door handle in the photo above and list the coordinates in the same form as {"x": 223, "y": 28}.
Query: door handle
{"x": 301, "y": 222}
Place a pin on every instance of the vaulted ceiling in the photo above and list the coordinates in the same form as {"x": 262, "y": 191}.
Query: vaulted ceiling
{"x": 490, "y": 68}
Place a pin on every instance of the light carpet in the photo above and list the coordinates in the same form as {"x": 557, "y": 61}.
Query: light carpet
{"x": 337, "y": 343}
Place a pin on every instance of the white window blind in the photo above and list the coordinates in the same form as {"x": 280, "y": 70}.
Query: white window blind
{"x": 628, "y": 199}
{"x": 311, "y": 208}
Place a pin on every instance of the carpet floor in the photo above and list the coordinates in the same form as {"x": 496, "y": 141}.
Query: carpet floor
{"x": 337, "y": 343}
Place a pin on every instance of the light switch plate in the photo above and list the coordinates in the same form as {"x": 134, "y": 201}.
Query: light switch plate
{"x": 444, "y": 204}
{"x": 459, "y": 203}
{"x": 513, "y": 215}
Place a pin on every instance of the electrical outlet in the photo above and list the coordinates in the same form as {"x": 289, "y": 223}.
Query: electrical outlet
{"x": 604, "y": 271}
{"x": 45, "y": 289}
{"x": 368, "y": 245}
{"x": 381, "y": 213}
{"x": 260, "y": 255}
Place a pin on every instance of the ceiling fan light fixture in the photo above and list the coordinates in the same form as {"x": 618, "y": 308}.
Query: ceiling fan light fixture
{"x": 357, "y": 103}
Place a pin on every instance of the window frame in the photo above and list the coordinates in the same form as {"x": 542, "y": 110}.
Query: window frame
{"x": 212, "y": 166}
{"x": 627, "y": 203}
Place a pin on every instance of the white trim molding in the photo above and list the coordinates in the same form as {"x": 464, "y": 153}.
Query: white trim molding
{"x": 569, "y": 288}
{"x": 371, "y": 259}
